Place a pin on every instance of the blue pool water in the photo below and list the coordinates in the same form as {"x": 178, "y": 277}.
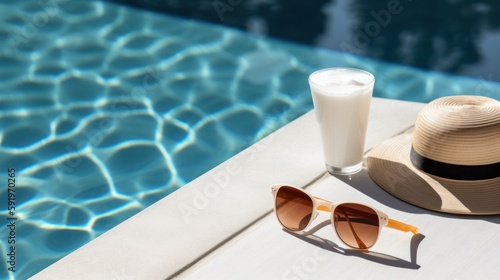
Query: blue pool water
{"x": 459, "y": 37}
{"x": 105, "y": 109}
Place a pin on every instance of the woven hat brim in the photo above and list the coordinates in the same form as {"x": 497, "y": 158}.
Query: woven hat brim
{"x": 390, "y": 167}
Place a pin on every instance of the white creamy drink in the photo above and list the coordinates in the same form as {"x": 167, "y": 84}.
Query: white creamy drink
{"x": 341, "y": 98}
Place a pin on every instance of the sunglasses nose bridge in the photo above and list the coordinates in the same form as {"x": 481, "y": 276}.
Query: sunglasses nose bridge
{"x": 323, "y": 205}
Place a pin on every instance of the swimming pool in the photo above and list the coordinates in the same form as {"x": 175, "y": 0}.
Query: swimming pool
{"x": 458, "y": 37}
{"x": 106, "y": 109}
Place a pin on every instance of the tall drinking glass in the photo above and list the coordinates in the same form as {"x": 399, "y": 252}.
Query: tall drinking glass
{"x": 341, "y": 98}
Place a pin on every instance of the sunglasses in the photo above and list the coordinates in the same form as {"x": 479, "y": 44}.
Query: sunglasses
{"x": 357, "y": 225}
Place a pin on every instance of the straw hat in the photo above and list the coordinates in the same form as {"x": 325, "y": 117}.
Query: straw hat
{"x": 451, "y": 162}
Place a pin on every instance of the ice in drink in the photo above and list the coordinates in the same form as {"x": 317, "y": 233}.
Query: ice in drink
{"x": 341, "y": 98}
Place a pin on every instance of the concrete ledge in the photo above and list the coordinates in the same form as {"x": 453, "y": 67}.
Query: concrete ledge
{"x": 448, "y": 247}
{"x": 176, "y": 232}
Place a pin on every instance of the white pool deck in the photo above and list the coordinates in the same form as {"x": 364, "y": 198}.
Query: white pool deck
{"x": 221, "y": 225}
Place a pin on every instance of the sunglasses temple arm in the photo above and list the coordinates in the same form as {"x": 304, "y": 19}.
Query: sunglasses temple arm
{"x": 391, "y": 223}
{"x": 401, "y": 226}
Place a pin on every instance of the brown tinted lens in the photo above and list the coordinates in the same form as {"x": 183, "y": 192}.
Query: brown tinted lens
{"x": 293, "y": 208}
{"x": 357, "y": 225}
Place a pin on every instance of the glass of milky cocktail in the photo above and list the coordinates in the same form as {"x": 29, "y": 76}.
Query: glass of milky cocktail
{"x": 341, "y": 98}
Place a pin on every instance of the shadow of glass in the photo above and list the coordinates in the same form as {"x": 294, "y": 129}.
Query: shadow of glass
{"x": 373, "y": 256}
{"x": 362, "y": 182}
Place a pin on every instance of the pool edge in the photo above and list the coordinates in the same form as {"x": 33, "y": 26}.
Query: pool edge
{"x": 177, "y": 231}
